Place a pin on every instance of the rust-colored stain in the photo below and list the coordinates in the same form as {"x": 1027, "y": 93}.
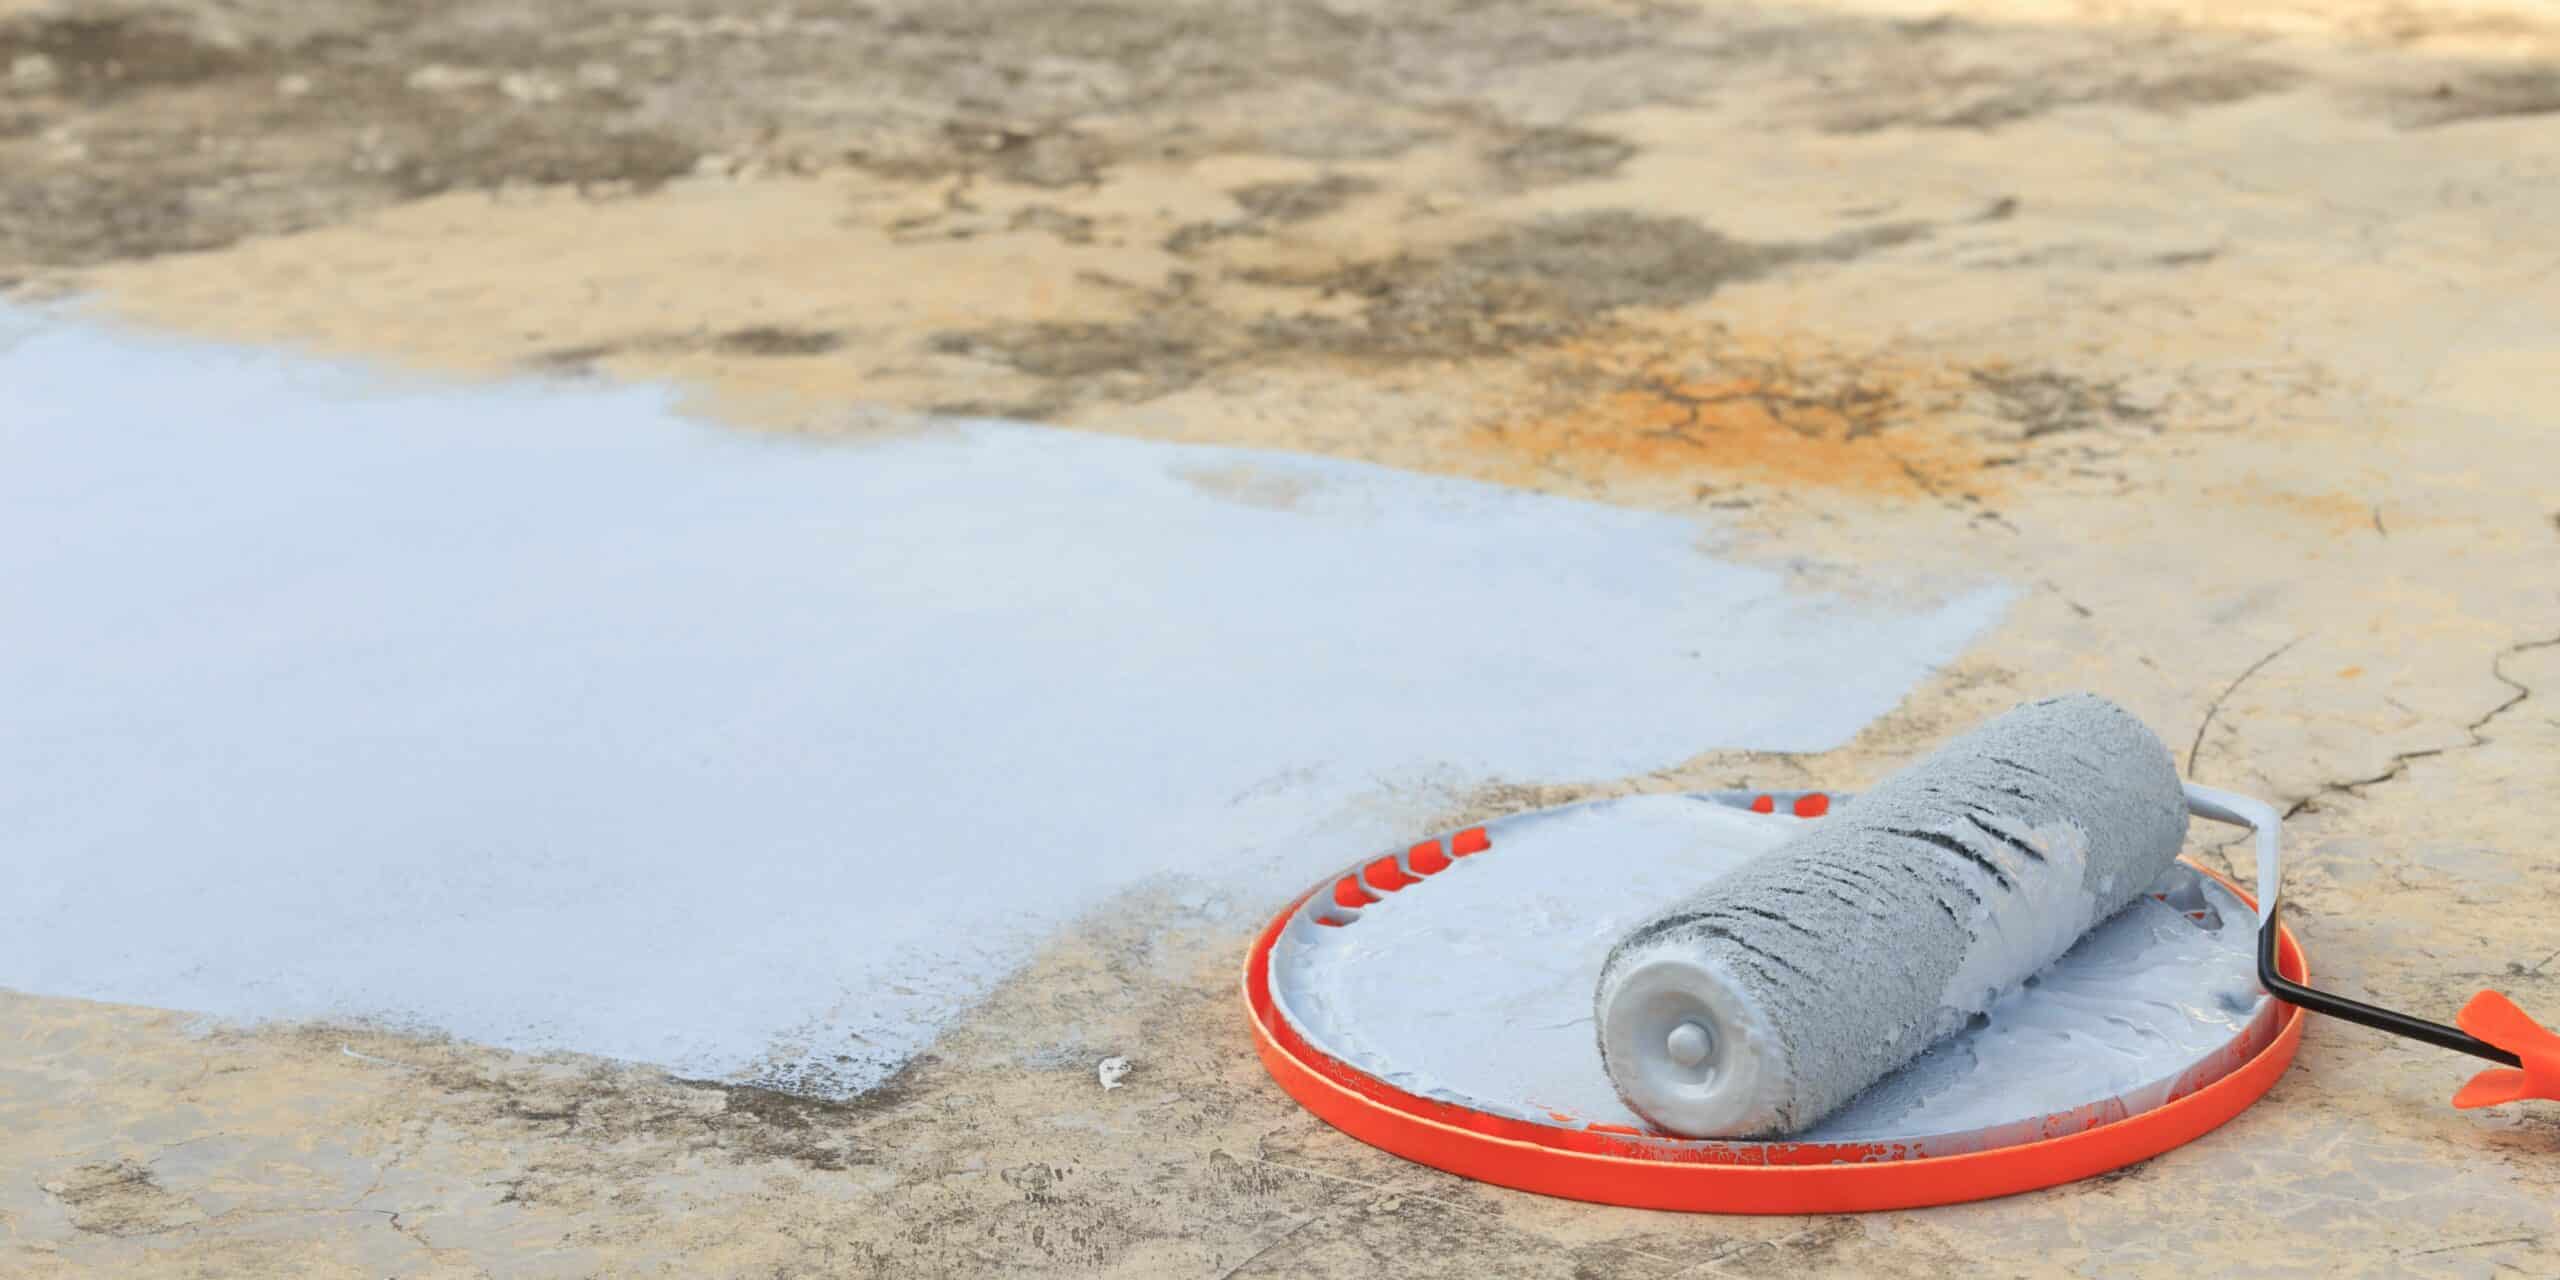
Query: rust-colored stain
{"x": 1870, "y": 429}
{"x": 2334, "y": 512}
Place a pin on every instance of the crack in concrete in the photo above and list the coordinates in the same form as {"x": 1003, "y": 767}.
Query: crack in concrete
{"x": 2475, "y": 1244}
{"x": 1283, "y": 1238}
{"x": 2215, "y": 707}
{"x": 2519, "y": 695}
{"x": 417, "y": 1236}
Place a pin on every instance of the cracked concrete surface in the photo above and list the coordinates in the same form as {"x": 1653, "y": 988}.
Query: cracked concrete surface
{"x": 2226, "y": 331}
{"x": 2518, "y": 694}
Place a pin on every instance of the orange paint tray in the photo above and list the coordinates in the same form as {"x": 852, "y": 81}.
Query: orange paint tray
{"x": 1613, "y": 1163}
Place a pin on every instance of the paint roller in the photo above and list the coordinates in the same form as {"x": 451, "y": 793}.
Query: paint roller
{"x": 1761, "y": 1004}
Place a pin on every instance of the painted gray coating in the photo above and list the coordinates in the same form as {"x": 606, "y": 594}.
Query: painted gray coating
{"x": 1840, "y": 956}
{"x": 541, "y": 716}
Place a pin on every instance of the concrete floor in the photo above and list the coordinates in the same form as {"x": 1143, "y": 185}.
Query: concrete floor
{"x": 2229, "y": 335}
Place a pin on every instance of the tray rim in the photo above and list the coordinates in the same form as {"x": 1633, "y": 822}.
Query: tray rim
{"x": 1606, "y": 1165}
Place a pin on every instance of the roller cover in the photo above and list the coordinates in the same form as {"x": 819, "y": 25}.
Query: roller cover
{"x": 1762, "y": 1003}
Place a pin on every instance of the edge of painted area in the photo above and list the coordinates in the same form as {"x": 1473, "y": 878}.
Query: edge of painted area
{"x": 1454, "y": 1139}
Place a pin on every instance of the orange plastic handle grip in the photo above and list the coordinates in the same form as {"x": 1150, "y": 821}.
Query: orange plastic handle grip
{"x": 2496, "y": 1019}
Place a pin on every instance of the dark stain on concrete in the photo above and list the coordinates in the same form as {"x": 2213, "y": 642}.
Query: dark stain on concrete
{"x": 472, "y": 150}
{"x": 1282, "y": 203}
{"x": 1069, "y": 228}
{"x": 2498, "y": 94}
{"x": 1264, "y": 205}
{"x": 1541, "y": 282}
{"x": 598, "y": 1107}
{"x": 1155, "y": 348}
{"x": 1037, "y": 408}
{"x": 1918, "y": 86}
{"x": 575, "y": 361}
{"x": 2043, "y": 403}
{"x": 1045, "y": 157}
{"x": 1191, "y": 237}
{"x": 773, "y": 340}
{"x": 765, "y": 341}
{"x": 1537, "y": 283}
{"x": 1542, "y": 157}
{"x": 2135, "y": 1172}
{"x": 95, "y": 59}
{"x": 121, "y": 1198}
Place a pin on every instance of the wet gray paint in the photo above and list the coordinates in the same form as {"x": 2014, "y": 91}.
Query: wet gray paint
{"x": 539, "y": 715}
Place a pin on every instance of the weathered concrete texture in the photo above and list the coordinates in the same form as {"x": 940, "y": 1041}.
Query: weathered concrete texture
{"x": 2226, "y": 329}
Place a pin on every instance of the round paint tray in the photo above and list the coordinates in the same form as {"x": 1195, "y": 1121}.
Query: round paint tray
{"x": 1436, "y": 1002}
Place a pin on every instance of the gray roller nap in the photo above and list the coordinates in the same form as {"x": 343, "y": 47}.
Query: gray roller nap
{"x": 1764, "y": 1002}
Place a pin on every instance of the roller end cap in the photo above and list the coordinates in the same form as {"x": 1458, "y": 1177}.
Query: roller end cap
{"x": 1687, "y": 1053}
